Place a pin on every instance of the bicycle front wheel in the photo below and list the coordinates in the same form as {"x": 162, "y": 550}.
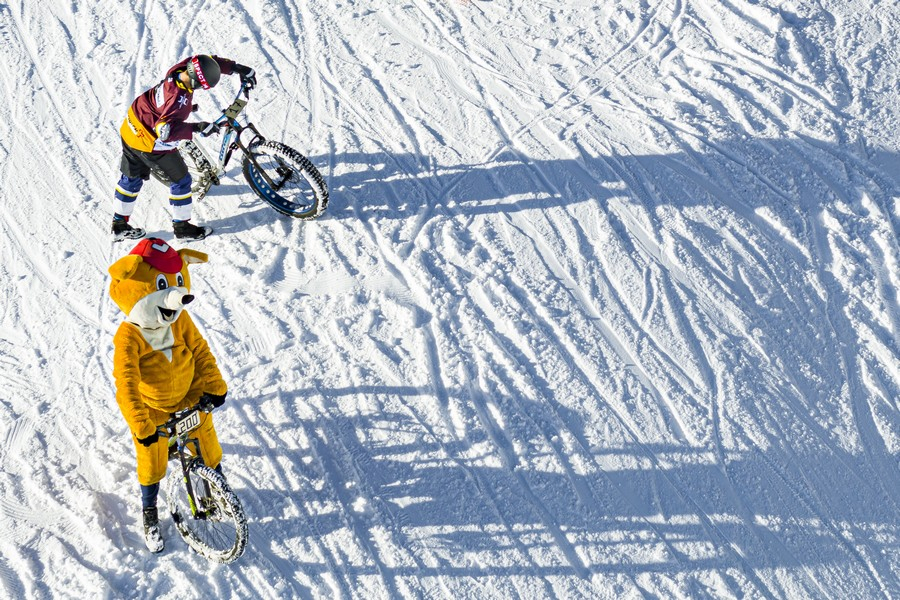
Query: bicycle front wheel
{"x": 286, "y": 180}
{"x": 216, "y": 526}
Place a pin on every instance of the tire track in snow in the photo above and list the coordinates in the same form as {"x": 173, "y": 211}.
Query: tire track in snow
{"x": 475, "y": 478}
{"x": 629, "y": 358}
{"x": 335, "y": 577}
{"x": 747, "y": 516}
{"x": 762, "y": 226}
{"x": 462, "y": 47}
{"x": 644, "y": 27}
{"x": 841, "y": 329}
{"x": 484, "y": 489}
{"x": 720, "y": 36}
{"x": 495, "y": 432}
{"x": 718, "y": 407}
{"x": 580, "y": 445}
{"x": 444, "y": 192}
{"x": 317, "y": 60}
{"x": 10, "y": 580}
{"x": 422, "y": 297}
{"x": 485, "y": 311}
{"x": 617, "y": 343}
{"x": 16, "y": 437}
{"x": 714, "y": 381}
{"x": 362, "y": 465}
{"x": 584, "y": 371}
{"x": 718, "y": 410}
{"x": 37, "y": 263}
{"x": 280, "y": 35}
{"x": 65, "y": 165}
{"x": 471, "y": 475}
{"x": 511, "y": 460}
{"x": 174, "y": 39}
{"x": 61, "y": 113}
{"x": 839, "y": 320}
{"x": 556, "y": 269}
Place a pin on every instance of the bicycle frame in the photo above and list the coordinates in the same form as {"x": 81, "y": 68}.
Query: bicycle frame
{"x": 232, "y": 139}
{"x": 179, "y": 443}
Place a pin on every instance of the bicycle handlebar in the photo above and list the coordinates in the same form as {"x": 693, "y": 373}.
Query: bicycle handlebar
{"x": 203, "y": 405}
{"x": 229, "y": 115}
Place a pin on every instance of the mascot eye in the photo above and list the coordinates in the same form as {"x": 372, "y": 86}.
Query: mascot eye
{"x": 161, "y": 282}
{"x": 179, "y": 280}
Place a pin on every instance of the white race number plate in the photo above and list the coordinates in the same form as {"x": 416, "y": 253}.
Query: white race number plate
{"x": 192, "y": 421}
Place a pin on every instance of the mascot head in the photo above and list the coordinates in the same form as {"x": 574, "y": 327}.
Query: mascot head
{"x": 151, "y": 284}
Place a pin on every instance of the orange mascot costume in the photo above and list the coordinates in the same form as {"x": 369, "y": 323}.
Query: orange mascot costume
{"x": 161, "y": 362}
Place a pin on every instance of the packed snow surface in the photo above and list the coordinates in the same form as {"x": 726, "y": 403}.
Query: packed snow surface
{"x": 605, "y": 303}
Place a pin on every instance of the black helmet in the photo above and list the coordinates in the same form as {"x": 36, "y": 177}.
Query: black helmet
{"x": 204, "y": 71}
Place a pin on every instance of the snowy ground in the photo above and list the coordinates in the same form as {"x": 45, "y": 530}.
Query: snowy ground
{"x": 605, "y": 303}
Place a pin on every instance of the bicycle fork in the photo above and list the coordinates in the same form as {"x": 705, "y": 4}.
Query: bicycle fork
{"x": 186, "y": 461}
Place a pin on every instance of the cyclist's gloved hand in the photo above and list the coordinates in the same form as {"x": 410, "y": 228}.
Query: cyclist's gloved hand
{"x": 205, "y": 128}
{"x": 248, "y": 77}
{"x": 213, "y": 400}
{"x": 149, "y": 440}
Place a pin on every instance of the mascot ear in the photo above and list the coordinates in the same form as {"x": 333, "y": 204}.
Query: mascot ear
{"x": 192, "y": 256}
{"x": 125, "y": 267}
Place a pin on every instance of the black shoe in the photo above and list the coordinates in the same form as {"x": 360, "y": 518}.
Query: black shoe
{"x": 152, "y": 536}
{"x": 122, "y": 230}
{"x": 185, "y": 230}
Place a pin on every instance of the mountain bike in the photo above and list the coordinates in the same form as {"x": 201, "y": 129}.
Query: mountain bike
{"x": 278, "y": 174}
{"x": 207, "y": 513}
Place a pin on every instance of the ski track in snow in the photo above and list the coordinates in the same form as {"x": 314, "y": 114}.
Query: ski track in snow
{"x": 605, "y": 303}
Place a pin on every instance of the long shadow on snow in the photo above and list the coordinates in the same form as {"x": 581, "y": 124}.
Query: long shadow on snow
{"x": 650, "y": 507}
{"x": 653, "y": 508}
{"x": 745, "y": 175}
{"x": 749, "y": 174}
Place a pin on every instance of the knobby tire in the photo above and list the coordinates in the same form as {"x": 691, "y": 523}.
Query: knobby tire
{"x": 221, "y": 538}
{"x": 302, "y": 192}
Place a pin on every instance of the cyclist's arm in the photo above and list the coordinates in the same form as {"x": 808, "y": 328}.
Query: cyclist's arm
{"x": 225, "y": 64}
{"x": 170, "y": 126}
{"x": 127, "y": 375}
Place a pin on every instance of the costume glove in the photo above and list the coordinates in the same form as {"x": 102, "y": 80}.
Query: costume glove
{"x": 213, "y": 400}
{"x": 149, "y": 440}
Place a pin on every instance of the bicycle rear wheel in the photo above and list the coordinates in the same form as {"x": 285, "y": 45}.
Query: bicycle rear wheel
{"x": 219, "y": 529}
{"x": 286, "y": 180}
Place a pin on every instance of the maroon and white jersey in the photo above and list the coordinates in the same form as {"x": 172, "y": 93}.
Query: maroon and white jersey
{"x": 156, "y": 119}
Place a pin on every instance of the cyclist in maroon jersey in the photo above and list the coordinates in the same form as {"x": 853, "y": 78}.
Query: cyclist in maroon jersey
{"x": 155, "y": 124}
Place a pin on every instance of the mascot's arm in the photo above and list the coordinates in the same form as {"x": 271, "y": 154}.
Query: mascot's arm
{"x": 207, "y": 377}
{"x": 126, "y": 372}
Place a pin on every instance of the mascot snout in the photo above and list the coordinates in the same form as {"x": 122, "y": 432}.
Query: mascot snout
{"x": 176, "y": 298}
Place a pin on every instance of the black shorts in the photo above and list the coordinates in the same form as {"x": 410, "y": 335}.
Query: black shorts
{"x": 168, "y": 167}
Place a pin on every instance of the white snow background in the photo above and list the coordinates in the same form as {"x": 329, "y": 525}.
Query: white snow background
{"x": 605, "y": 304}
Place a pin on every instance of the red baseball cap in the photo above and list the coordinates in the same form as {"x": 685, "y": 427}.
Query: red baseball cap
{"x": 159, "y": 255}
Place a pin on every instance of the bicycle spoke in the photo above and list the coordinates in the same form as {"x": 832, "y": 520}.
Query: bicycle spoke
{"x": 219, "y": 529}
